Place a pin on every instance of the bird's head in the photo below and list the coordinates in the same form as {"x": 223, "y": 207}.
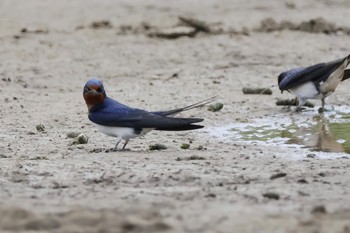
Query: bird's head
{"x": 280, "y": 78}
{"x": 94, "y": 93}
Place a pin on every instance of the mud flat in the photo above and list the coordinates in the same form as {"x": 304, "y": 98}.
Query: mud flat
{"x": 238, "y": 174}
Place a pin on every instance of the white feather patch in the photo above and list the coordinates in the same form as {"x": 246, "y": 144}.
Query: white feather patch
{"x": 122, "y": 132}
{"x": 306, "y": 91}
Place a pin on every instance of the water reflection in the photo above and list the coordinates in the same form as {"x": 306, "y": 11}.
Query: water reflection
{"x": 323, "y": 136}
{"x": 329, "y": 133}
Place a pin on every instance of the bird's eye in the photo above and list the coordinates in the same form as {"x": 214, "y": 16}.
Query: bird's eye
{"x": 99, "y": 89}
{"x": 88, "y": 88}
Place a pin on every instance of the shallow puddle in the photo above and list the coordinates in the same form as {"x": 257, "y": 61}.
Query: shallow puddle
{"x": 328, "y": 132}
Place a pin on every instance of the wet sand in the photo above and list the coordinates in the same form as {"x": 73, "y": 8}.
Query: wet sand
{"x": 50, "y": 49}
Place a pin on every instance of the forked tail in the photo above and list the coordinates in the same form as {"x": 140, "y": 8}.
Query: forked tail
{"x": 192, "y": 106}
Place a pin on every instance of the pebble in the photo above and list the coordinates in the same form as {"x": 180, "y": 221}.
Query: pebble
{"x": 40, "y": 127}
{"x": 157, "y": 146}
{"x": 271, "y": 195}
{"x": 215, "y": 107}
{"x": 185, "y": 146}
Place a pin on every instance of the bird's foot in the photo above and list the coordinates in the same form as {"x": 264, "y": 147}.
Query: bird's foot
{"x": 299, "y": 109}
{"x": 326, "y": 109}
{"x": 116, "y": 150}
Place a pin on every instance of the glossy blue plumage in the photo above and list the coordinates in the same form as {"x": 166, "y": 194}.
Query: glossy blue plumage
{"x": 316, "y": 81}
{"x": 113, "y": 113}
{"x": 119, "y": 120}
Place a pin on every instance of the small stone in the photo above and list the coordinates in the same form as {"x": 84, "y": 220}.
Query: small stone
{"x": 311, "y": 156}
{"x": 80, "y": 27}
{"x": 101, "y": 24}
{"x": 72, "y": 134}
{"x": 215, "y": 107}
{"x": 39, "y": 158}
{"x": 320, "y": 209}
{"x": 185, "y": 146}
{"x": 301, "y": 193}
{"x": 211, "y": 195}
{"x": 272, "y": 195}
{"x": 82, "y": 139}
{"x": 42, "y": 225}
{"x": 290, "y": 5}
{"x": 278, "y": 175}
{"x": 192, "y": 157}
{"x": 157, "y": 146}
{"x": 97, "y": 150}
{"x": 322, "y": 174}
{"x": 302, "y": 181}
{"x": 40, "y": 127}
{"x": 195, "y": 157}
{"x": 3, "y": 156}
{"x": 198, "y": 25}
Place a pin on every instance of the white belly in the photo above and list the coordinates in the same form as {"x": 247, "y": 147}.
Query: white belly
{"x": 122, "y": 132}
{"x": 306, "y": 91}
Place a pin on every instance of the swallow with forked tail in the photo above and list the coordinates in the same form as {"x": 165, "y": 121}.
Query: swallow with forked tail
{"x": 118, "y": 120}
{"x": 314, "y": 82}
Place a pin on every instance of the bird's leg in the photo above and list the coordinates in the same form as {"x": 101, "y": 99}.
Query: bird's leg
{"x": 300, "y": 105}
{"x": 298, "y": 109}
{"x": 321, "y": 110}
{"x": 116, "y": 145}
{"x": 126, "y": 142}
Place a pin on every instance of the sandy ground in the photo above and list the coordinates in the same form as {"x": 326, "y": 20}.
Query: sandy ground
{"x": 228, "y": 186}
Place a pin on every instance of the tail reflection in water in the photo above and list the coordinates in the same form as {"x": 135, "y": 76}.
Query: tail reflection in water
{"x": 323, "y": 136}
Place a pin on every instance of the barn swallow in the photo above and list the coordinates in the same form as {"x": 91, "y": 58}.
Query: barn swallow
{"x": 314, "y": 82}
{"x": 118, "y": 120}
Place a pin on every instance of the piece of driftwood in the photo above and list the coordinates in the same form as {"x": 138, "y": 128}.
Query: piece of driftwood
{"x": 292, "y": 102}
{"x": 173, "y": 33}
{"x": 257, "y": 91}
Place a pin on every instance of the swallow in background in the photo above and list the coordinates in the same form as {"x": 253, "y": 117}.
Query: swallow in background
{"x": 314, "y": 82}
{"x": 118, "y": 120}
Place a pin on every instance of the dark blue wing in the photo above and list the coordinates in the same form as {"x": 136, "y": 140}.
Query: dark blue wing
{"x": 137, "y": 118}
{"x": 118, "y": 117}
{"x": 297, "y": 76}
{"x": 113, "y": 113}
